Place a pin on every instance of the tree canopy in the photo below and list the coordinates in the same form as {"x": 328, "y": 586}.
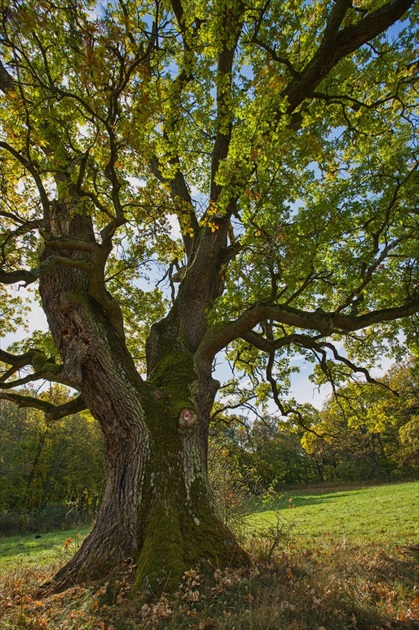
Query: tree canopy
{"x": 279, "y": 129}
{"x": 277, "y": 139}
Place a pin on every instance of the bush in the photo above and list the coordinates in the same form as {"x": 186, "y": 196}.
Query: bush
{"x": 229, "y": 488}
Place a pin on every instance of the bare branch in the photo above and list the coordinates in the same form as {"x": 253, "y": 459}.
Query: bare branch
{"x": 73, "y": 245}
{"x": 291, "y": 410}
{"x": 21, "y": 360}
{"x": 44, "y": 368}
{"x": 51, "y": 261}
{"x": 52, "y": 412}
{"x": 353, "y": 367}
{"x": 325, "y": 323}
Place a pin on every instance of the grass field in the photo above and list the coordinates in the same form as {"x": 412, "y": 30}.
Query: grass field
{"x": 324, "y": 560}
{"x": 37, "y": 551}
{"x": 387, "y": 514}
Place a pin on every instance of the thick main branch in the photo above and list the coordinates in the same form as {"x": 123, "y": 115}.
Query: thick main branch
{"x": 324, "y": 322}
{"x": 337, "y": 44}
{"x": 52, "y": 412}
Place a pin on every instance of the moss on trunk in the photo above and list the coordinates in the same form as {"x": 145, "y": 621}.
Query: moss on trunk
{"x": 178, "y": 527}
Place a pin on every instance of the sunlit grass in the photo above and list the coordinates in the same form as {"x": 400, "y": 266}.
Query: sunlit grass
{"x": 32, "y": 550}
{"x": 344, "y": 560}
{"x": 387, "y": 514}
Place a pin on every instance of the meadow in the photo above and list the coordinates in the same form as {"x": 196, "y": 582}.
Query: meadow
{"x": 323, "y": 559}
{"x": 386, "y": 513}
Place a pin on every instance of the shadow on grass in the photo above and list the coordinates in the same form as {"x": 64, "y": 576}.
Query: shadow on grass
{"x": 290, "y": 500}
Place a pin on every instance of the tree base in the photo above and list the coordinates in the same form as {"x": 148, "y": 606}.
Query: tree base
{"x": 168, "y": 551}
{"x": 165, "y": 557}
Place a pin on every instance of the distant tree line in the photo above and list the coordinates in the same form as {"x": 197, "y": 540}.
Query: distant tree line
{"x": 52, "y": 473}
{"x": 365, "y": 432}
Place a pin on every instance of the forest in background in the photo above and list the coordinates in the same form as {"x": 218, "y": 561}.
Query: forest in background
{"x": 52, "y": 473}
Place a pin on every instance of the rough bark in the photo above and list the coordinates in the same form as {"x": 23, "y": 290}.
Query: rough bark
{"x": 157, "y": 507}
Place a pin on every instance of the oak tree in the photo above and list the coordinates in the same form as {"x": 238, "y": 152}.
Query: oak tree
{"x": 281, "y": 139}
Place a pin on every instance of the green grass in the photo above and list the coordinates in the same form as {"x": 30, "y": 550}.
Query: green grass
{"x": 386, "y": 514}
{"x": 348, "y": 561}
{"x": 29, "y": 551}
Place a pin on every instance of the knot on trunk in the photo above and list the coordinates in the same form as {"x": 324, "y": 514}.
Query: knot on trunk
{"x": 187, "y": 418}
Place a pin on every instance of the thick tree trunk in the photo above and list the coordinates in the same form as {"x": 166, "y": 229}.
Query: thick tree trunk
{"x": 157, "y": 507}
{"x": 178, "y": 526}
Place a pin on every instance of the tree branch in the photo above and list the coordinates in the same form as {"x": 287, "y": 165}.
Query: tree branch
{"x": 21, "y": 360}
{"x": 349, "y": 324}
{"x": 352, "y": 366}
{"x": 73, "y": 245}
{"x": 183, "y": 202}
{"x": 324, "y": 322}
{"x": 51, "y": 261}
{"x": 6, "y": 81}
{"x": 224, "y": 124}
{"x": 52, "y": 412}
{"x": 94, "y": 267}
{"x": 29, "y": 166}
{"x": 21, "y": 275}
{"x": 44, "y": 368}
{"x": 179, "y": 13}
{"x": 272, "y": 52}
{"x": 338, "y": 44}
